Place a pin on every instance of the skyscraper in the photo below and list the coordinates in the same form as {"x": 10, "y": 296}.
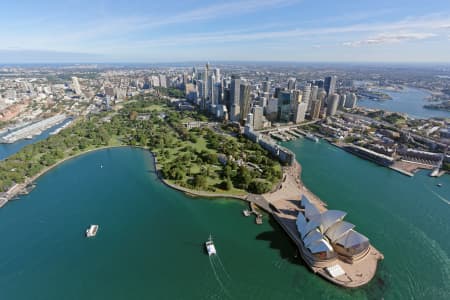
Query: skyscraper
{"x": 292, "y": 83}
{"x": 258, "y": 117}
{"x": 333, "y": 102}
{"x": 284, "y": 106}
{"x": 266, "y": 86}
{"x": 307, "y": 95}
{"x": 330, "y": 84}
{"x": 300, "y": 112}
{"x": 245, "y": 99}
{"x": 342, "y": 101}
{"x": 351, "y": 100}
{"x": 315, "y": 109}
{"x": 235, "y": 90}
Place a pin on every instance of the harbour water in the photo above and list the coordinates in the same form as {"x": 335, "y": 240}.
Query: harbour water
{"x": 7, "y": 150}
{"x": 150, "y": 241}
{"x": 409, "y": 101}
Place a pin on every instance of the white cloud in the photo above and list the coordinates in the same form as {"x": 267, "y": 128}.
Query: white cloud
{"x": 387, "y": 38}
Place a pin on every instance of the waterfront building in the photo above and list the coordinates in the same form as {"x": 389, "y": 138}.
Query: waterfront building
{"x": 330, "y": 84}
{"x": 326, "y": 236}
{"x": 351, "y": 100}
{"x": 333, "y": 102}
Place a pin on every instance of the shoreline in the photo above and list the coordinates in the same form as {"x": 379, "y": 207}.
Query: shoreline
{"x": 279, "y": 204}
{"x": 17, "y": 189}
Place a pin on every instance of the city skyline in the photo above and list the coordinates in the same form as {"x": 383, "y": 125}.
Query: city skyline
{"x": 276, "y": 30}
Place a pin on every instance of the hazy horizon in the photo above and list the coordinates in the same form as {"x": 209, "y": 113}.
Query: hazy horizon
{"x": 137, "y": 31}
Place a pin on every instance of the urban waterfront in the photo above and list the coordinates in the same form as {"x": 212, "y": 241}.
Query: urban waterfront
{"x": 409, "y": 101}
{"x": 6, "y": 150}
{"x": 150, "y": 238}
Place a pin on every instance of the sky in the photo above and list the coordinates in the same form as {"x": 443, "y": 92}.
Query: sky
{"x": 146, "y": 31}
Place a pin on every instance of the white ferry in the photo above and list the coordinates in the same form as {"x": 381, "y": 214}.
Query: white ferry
{"x": 210, "y": 247}
{"x": 91, "y": 231}
{"x": 312, "y": 137}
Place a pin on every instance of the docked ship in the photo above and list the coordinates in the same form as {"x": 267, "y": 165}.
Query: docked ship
{"x": 92, "y": 231}
{"x": 330, "y": 246}
{"x": 210, "y": 248}
{"x": 312, "y": 137}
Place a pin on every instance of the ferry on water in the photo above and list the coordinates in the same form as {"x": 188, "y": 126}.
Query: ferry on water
{"x": 91, "y": 231}
{"x": 210, "y": 247}
{"x": 312, "y": 137}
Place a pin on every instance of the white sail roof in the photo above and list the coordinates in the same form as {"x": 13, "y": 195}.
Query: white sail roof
{"x": 320, "y": 246}
{"x": 351, "y": 239}
{"x": 310, "y": 209}
{"x": 330, "y": 217}
{"x": 312, "y": 237}
{"x": 338, "y": 230}
{"x": 311, "y": 225}
{"x": 301, "y": 224}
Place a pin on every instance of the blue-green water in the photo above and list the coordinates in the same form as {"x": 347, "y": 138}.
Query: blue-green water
{"x": 409, "y": 101}
{"x": 149, "y": 245}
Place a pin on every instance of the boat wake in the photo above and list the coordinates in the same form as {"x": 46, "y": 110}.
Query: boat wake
{"x": 220, "y": 273}
{"x": 440, "y": 197}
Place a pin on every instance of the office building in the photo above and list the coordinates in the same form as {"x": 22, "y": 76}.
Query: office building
{"x": 300, "y": 112}
{"x": 330, "y": 84}
{"x": 333, "y": 102}
{"x": 315, "y": 109}
{"x": 258, "y": 118}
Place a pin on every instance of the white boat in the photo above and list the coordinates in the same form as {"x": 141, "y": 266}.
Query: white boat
{"x": 246, "y": 212}
{"x": 91, "y": 231}
{"x": 312, "y": 137}
{"x": 210, "y": 247}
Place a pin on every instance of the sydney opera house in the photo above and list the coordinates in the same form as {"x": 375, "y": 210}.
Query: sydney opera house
{"x": 327, "y": 236}
{"x": 328, "y": 244}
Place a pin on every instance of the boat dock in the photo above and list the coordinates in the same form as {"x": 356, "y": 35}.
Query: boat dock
{"x": 254, "y": 210}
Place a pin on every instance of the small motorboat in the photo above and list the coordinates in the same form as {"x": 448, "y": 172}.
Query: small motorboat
{"x": 92, "y": 231}
{"x": 210, "y": 246}
{"x": 439, "y": 184}
{"x": 246, "y": 212}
